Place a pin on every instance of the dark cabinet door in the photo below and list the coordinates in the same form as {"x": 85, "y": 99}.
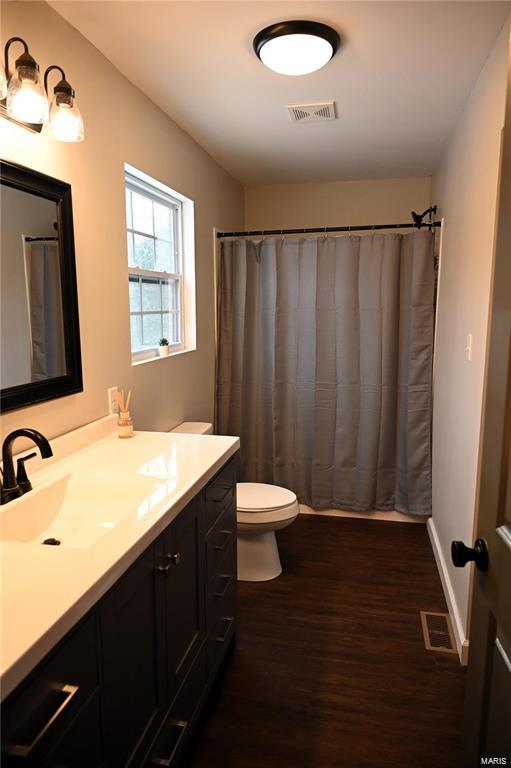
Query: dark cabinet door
{"x": 182, "y": 563}
{"x": 133, "y": 661}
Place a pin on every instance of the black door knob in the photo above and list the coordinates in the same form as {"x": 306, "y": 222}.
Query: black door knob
{"x": 461, "y": 555}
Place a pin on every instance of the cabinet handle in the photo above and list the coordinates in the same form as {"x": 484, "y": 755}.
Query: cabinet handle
{"x": 228, "y": 535}
{"x": 173, "y": 559}
{"x": 227, "y": 584}
{"x": 24, "y": 750}
{"x": 165, "y": 762}
{"x": 224, "y": 636}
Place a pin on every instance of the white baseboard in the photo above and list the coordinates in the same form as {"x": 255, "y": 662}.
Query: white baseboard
{"x": 457, "y": 624}
{"x": 392, "y": 516}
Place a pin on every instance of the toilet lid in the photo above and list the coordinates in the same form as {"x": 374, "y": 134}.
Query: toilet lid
{"x": 261, "y": 497}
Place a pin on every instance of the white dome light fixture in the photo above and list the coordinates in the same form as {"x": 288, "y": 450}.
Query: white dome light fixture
{"x": 296, "y": 47}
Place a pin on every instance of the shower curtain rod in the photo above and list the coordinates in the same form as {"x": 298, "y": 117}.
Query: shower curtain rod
{"x": 326, "y": 230}
{"x": 36, "y": 239}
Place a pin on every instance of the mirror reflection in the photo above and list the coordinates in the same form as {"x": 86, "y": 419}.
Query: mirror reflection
{"x": 32, "y": 328}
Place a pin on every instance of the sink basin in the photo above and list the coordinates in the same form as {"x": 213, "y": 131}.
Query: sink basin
{"x": 77, "y": 510}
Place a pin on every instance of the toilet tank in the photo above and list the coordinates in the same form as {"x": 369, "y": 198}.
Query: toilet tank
{"x": 194, "y": 428}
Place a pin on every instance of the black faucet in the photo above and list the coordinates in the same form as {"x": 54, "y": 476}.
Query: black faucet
{"x": 11, "y": 486}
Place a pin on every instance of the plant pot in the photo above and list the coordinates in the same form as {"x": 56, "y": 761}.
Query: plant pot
{"x": 163, "y": 350}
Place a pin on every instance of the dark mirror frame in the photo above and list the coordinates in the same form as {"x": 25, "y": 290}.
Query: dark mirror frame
{"x": 36, "y": 183}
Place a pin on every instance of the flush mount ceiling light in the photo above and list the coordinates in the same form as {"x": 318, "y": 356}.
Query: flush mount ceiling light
{"x": 24, "y": 98}
{"x": 296, "y": 47}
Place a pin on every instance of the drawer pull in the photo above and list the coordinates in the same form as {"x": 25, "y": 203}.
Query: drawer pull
{"x": 223, "y": 638}
{"x": 174, "y": 559}
{"x": 228, "y": 580}
{"x": 165, "y": 762}
{"x": 216, "y": 499}
{"x": 24, "y": 750}
{"x": 227, "y": 535}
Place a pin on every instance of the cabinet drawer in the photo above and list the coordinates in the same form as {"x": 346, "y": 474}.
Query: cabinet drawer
{"x": 221, "y": 584}
{"x": 220, "y": 493}
{"x": 176, "y": 730}
{"x": 219, "y": 539}
{"x": 39, "y": 711}
{"x": 221, "y": 610}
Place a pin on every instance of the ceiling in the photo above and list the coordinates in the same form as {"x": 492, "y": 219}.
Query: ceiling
{"x": 400, "y": 80}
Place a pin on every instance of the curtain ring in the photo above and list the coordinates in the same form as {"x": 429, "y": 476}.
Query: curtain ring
{"x": 324, "y": 233}
{"x": 282, "y": 235}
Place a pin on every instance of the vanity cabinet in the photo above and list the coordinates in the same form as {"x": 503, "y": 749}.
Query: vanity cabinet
{"x": 53, "y": 719}
{"x": 125, "y": 687}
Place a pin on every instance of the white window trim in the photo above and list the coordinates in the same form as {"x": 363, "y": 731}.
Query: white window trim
{"x": 184, "y": 255}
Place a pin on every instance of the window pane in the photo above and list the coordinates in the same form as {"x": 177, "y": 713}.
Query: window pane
{"x": 134, "y": 296}
{"x": 151, "y": 296}
{"x": 164, "y": 256}
{"x": 142, "y": 214}
{"x": 136, "y": 331}
{"x": 131, "y": 256}
{"x": 152, "y": 330}
{"x": 162, "y": 222}
{"x": 175, "y": 327}
{"x": 144, "y": 252}
{"x": 170, "y": 295}
{"x": 171, "y": 328}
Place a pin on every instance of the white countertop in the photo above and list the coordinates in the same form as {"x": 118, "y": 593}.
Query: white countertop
{"x": 47, "y": 589}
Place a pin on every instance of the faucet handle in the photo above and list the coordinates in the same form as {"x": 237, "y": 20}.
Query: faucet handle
{"x": 21, "y": 473}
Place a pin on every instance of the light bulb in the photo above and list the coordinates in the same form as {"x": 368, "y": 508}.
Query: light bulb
{"x": 26, "y": 98}
{"x": 3, "y": 83}
{"x": 66, "y": 122}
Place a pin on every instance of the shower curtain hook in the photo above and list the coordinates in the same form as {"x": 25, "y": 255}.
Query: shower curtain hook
{"x": 282, "y": 235}
{"x": 324, "y": 233}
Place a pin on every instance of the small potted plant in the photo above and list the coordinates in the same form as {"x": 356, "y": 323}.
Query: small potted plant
{"x": 164, "y": 347}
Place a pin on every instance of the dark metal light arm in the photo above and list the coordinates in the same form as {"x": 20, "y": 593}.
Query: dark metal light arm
{"x": 48, "y": 70}
{"x": 6, "y": 52}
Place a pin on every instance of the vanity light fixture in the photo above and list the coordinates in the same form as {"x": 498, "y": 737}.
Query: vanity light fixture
{"x": 26, "y": 100}
{"x": 24, "y": 97}
{"x": 296, "y": 47}
{"x": 66, "y": 122}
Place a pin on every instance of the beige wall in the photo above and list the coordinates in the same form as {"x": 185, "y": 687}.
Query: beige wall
{"x": 122, "y": 125}
{"x": 335, "y": 203}
{"x": 466, "y": 190}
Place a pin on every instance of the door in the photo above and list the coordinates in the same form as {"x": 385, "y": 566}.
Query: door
{"x": 133, "y": 662}
{"x": 487, "y": 729}
{"x": 183, "y": 556}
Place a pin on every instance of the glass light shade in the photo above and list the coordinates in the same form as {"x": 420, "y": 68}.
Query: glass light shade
{"x": 296, "y": 54}
{"x": 3, "y": 83}
{"x": 26, "y": 97}
{"x": 66, "y": 122}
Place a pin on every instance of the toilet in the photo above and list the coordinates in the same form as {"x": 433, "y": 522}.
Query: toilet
{"x": 262, "y": 509}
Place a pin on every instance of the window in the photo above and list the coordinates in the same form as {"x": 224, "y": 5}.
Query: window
{"x": 157, "y": 266}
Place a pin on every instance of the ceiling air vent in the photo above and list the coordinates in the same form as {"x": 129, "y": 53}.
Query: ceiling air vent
{"x": 311, "y": 113}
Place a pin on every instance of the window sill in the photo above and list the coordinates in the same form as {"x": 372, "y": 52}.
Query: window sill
{"x": 157, "y": 357}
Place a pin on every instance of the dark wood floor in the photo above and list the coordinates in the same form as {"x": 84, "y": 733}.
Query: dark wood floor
{"x": 330, "y": 669}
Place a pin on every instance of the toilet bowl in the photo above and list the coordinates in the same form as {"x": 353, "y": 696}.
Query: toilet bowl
{"x": 262, "y": 510}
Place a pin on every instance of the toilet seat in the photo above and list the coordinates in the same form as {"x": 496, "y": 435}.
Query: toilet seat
{"x": 262, "y": 497}
{"x": 260, "y": 503}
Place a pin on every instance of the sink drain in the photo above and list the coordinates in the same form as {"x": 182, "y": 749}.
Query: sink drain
{"x": 52, "y": 542}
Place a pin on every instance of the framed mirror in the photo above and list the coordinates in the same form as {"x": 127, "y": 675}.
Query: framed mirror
{"x": 39, "y": 330}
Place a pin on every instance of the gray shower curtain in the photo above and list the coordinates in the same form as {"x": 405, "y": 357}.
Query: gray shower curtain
{"x": 45, "y": 310}
{"x": 324, "y": 366}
